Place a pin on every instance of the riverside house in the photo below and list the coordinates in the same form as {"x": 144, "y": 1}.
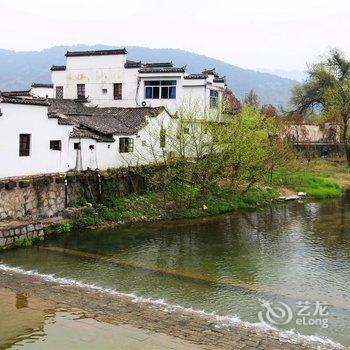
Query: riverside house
{"x": 107, "y": 112}
{"x": 108, "y": 79}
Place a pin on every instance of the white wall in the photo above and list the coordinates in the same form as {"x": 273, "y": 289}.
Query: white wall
{"x": 19, "y": 119}
{"x": 42, "y": 92}
{"x": 59, "y": 79}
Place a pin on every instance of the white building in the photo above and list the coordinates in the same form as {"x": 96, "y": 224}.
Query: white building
{"x": 107, "y": 112}
{"x": 41, "y": 136}
{"x": 31, "y": 142}
{"x": 107, "y": 79}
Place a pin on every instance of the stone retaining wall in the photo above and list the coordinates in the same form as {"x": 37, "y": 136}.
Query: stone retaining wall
{"x": 9, "y": 234}
{"x": 44, "y": 196}
{"x": 38, "y": 197}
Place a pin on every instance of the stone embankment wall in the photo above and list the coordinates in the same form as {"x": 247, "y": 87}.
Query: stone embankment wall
{"x": 45, "y": 196}
{"x": 20, "y": 231}
{"x": 35, "y": 197}
{"x": 26, "y": 203}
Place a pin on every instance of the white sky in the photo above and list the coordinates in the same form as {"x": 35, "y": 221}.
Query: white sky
{"x": 282, "y": 34}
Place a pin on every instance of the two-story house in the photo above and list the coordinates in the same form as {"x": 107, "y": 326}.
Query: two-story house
{"x": 107, "y": 79}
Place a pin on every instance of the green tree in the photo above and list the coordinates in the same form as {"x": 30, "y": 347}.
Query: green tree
{"x": 328, "y": 89}
{"x": 250, "y": 148}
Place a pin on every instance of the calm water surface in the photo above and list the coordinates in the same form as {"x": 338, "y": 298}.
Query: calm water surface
{"x": 288, "y": 253}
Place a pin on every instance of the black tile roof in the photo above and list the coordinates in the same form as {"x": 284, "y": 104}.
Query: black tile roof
{"x": 132, "y": 64}
{"x": 210, "y": 72}
{"x": 195, "y": 76}
{"x": 16, "y": 93}
{"x": 54, "y": 68}
{"x": 25, "y": 101}
{"x": 96, "y": 53}
{"x": 219, "y": 80}
{"x": 67, "y": 107}
{"x": 82, "y": 133}
{"x": 158, "y": 65}
{"x": 106, "y": 121}
{"x": 39, "y": 85}
{"x": 163, "y": 70}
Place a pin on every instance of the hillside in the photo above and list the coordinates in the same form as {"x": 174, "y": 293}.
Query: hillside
{"x": 20, "y": 69}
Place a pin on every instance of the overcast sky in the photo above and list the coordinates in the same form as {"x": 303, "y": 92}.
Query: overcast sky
{"x": 281, "y": 34}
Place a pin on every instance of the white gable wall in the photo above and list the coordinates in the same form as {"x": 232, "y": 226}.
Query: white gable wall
{"x": 19, "y": 119}
{"x": 42, "y": 92}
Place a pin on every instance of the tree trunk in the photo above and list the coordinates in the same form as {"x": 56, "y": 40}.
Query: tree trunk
{"x": 345, "y": 139}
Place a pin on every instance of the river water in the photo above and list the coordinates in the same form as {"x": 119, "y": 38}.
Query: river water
{"x": 287, "y": 265}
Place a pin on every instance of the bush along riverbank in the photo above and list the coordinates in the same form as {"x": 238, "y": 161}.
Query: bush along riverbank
{"x": 185, "y": 202}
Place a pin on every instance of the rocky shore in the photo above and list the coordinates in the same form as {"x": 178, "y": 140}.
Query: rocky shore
{"x": 204, "y": 330}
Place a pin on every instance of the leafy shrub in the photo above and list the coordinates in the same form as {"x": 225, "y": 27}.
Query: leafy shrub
{"x": 87, "y": 221}
{"x": 22, "y": 243}
{"x": 63, "y": 227}
{"x": 108, "y": 214}
{"x": 75, "y": 203}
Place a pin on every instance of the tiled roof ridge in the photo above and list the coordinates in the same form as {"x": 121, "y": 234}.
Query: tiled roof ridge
{"x": 121, "y": 51}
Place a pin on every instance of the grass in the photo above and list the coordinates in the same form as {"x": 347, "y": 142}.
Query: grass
{"x": 154, "y": 206}
{"x": 320, "y": 179}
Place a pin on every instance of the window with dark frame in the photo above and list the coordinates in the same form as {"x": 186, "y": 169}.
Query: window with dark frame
{"x": 126, "y": 145}
{"x": 117, "y": 91}
{"x": 165, "y": 89}
{"x": 214, "y": 96}
{"x": 24, "y": 145}
{"x": 55, "y": 145}
{"x": 77, "y": 145}
{"x": 81, "y": 91}
{"x": 59, "y": 92}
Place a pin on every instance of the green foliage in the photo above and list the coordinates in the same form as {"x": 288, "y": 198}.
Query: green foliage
{"x": 64, "y": 227}
{"x": 76, "y": 203}
{"x": 22, "y": 243}
{"x": 313, "y": 185}
{"x": 250, "y": 148}
{"x": 108, "y": 214}
{"x": 86, "y": 220}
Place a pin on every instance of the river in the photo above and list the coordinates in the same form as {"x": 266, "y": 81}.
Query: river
{"x": 287, "y": 265}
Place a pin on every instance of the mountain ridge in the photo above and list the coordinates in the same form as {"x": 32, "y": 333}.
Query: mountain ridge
{"x": 19, "y": 69}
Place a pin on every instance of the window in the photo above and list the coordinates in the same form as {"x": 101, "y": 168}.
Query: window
{"x": 162, "y": 138}
{"x": 91, "y": 147}
{"x": 126, "y": 145}
{"x": 165, "y": 89}
{"x": 104, "y": 91}
{"x": 24, "y": 145}
{"x": 214, "y": 95}
{"x": 117, "y": 91}
{"x": 55, "y": 145}
{"x": 59, "y": 92}
{"x": 81, "y": 91}
{"x": 77, "y": 145}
